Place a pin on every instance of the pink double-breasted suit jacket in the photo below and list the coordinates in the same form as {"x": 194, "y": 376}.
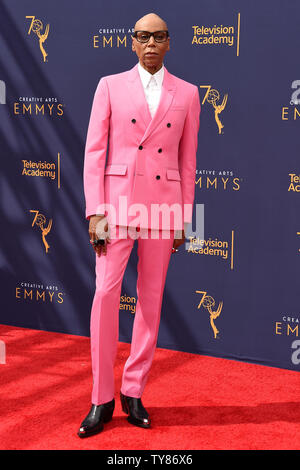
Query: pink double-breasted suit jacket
{"x": 140, "y": 170}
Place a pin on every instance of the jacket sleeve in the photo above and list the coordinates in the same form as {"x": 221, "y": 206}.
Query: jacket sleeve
{"x": 187, "y": 156}
{"x": 95, "y": 151}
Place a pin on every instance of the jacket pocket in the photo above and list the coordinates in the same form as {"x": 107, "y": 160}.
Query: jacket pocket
{"x": 173, "y": 174}
{"x": 116, "y": 169}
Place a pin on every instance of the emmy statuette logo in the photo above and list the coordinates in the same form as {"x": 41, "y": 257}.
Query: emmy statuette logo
{"x": 208, "y": 303}
{"x": 36, "y": 26}
{"x": 298, "y": 233}
{"x": 40, "y": 221}
{"x": 212, "y": 96}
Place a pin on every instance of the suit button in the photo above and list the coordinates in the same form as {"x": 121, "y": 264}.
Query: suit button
{"x": 169, "y": 124}
{"x": 159, "y": 150}
{"x": 133, "y": 120}
{"x": 140, "y": 147}
{"x": 157, "y": 177}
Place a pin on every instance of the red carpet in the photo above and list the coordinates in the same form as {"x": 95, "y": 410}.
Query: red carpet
{"x": 195, "y": 402}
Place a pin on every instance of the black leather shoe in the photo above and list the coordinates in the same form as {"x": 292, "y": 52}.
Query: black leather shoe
{"x": 137, "y": 413}
{"x": 99, "y": 414}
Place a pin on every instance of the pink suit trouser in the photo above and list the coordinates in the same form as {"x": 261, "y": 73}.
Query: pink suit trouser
{"x": 153, "y": 260}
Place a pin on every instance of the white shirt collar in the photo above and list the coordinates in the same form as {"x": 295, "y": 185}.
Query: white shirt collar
{"x": 146, "y": 76}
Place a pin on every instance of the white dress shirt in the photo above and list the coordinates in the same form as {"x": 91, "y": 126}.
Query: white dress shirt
{"x": 152, "y": 86}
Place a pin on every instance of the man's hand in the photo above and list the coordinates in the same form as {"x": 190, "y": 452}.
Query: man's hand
{"x": 179, "y": 241}
{"x": 94, "y": 220}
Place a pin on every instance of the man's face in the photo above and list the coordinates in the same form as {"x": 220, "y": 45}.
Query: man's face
{"x": 151, "y": 53}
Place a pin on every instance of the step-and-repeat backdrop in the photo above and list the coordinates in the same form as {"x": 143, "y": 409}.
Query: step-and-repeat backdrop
{"x": 234, "y": 292}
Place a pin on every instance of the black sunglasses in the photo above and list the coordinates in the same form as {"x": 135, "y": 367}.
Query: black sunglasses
{"x": 144, "y": 36}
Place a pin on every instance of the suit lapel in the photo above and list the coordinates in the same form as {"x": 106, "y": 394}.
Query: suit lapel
{"x": 138, "y": 97}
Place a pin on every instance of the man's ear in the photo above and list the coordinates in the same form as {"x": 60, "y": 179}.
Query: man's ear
{"x": 132, "y": 44}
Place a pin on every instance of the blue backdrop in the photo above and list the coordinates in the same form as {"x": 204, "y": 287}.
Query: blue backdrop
{"x": 234, "y": 293}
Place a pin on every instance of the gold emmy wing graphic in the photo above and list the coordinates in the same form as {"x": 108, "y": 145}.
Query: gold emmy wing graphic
{"x": 212, "y": 96}
{"x": 208, "y": 302}
{"x": 40, "y": 221}
{"x": 36, "y": 27}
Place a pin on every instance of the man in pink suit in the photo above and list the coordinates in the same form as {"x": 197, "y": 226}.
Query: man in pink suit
{"x": 140, "y": 158}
